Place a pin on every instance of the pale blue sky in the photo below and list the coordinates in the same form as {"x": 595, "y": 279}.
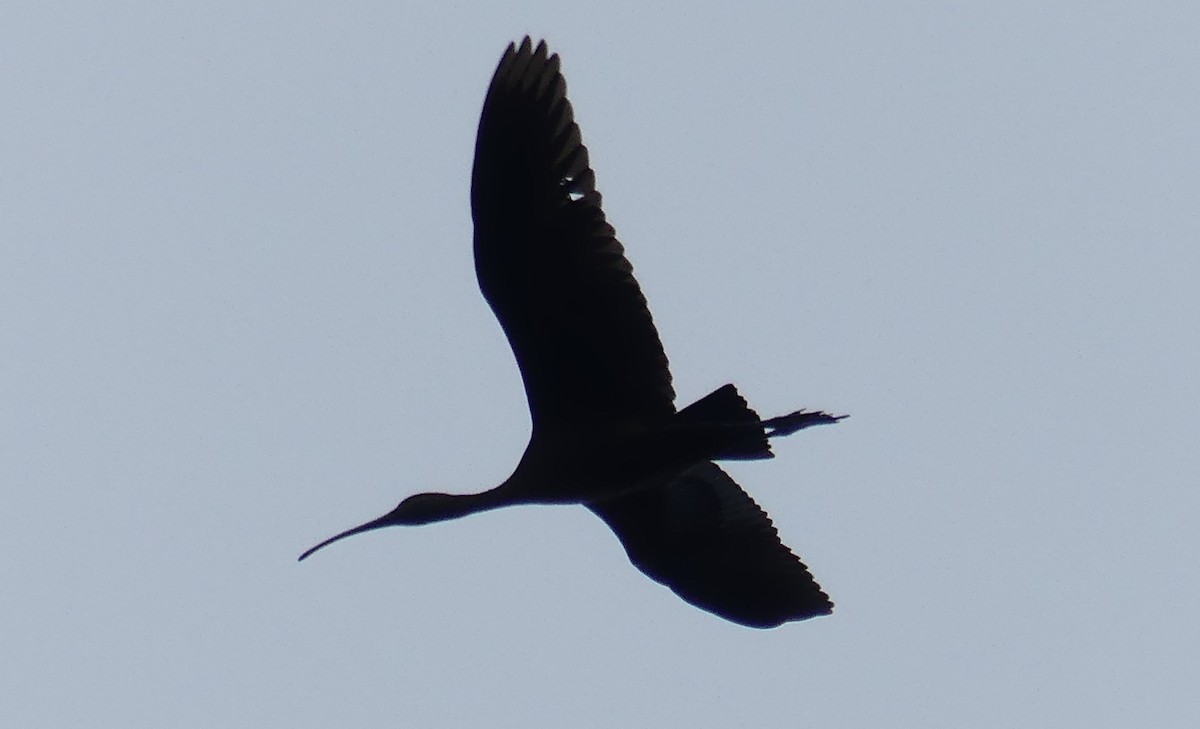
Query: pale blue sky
{"x": 240, "y": 313}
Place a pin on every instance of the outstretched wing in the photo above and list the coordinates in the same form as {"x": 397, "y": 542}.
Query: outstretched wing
{"x": 702, "y": 536}
{"x": 550, "y": 265}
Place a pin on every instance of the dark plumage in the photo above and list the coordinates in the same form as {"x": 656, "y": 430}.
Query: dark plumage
{"x": 605, "y": 430}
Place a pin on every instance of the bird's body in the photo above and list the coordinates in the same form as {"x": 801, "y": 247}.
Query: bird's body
{"x": 606, "y": 433}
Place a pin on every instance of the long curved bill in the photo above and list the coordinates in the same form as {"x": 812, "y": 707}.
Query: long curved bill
{"x": 369, "y": 526}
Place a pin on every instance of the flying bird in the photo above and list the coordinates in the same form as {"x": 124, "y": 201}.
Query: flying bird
{"x": 605, "y": 432}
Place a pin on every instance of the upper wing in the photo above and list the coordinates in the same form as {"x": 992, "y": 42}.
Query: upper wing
{"x": 705, "y": 538}
{"x": 549, "y": 264}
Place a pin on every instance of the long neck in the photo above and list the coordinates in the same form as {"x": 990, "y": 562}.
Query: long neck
{"x": 453, "y": 506}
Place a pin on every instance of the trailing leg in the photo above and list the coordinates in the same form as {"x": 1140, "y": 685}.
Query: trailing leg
{"x": 799, "y": 420}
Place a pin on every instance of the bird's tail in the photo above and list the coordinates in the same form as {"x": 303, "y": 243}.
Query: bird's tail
{"x": 746, "y": 434}
{"x": 728, "y": 411}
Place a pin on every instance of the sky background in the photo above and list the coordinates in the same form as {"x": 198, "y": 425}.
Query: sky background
{"x": 240, "y": 315}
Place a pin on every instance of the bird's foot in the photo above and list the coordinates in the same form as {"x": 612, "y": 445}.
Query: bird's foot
{"x": 790, "y": 423}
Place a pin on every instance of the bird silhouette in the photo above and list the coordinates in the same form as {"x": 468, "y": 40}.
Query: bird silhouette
{"x": 605, "y": 432}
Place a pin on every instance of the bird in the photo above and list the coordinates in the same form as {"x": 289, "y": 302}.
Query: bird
{"x": 605, "y": 430}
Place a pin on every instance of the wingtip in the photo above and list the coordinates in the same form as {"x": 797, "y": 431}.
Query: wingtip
{"x": 526, "y": 47}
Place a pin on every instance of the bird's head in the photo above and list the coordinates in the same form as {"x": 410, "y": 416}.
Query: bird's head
{"x": 421, "y": 509}
{"x": 415, "y": 510}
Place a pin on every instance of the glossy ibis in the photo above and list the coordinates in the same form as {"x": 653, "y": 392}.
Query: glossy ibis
{"x": 605, "y": 430}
